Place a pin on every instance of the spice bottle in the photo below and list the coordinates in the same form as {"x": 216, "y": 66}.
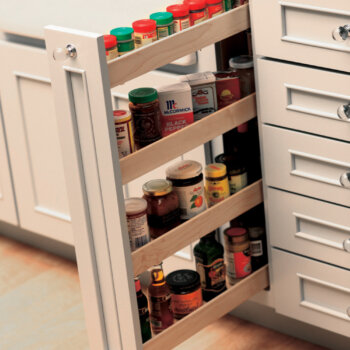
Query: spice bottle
{"x": 244, "y": 66}
{"x": 144, "y": 108}
{"x": 215, "y": 8}
{"x": 142, "y": 305}
{"x": 111, "y": 47}
{"x": 181, "y": 15}
{"x": 227, "y": 88}
{"x": 216, "y": 183}
{"x": 228, "y": 4}
{"x": 159, "y": 298}
{"x": 165, "y": 24}
{"x": 209, "y": 255}
{"x": 145, "y": 32}
{"x": 124, "y": 131}
{"x": 198, "y": 11}
{"x": 125, "y": 38}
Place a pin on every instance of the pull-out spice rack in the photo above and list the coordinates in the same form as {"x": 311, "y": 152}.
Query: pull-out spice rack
{"x": 81, "y": 81}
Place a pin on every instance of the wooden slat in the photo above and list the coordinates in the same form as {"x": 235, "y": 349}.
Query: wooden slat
{"x": 161, "y": 52}
{"x": 210, "y": 311}
{"x": 182, "y": 141}
{"x": 171, "y": 242}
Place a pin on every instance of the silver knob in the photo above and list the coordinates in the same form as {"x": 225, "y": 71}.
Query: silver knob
{"x": 345, "y": 180}
{"x": 71, "y": 51}
{"x": 346, "y": 245}
{"x": 341, "y": 33}
{"x": 344, "y": 112}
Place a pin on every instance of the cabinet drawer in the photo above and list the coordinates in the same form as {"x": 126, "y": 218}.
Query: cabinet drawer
{"x": 302, "y": 30}
{"x": 311, "y": 291}
{"x": 309, "y": 227}
{"x": 306, "y": 164}
{"x": 302, "y": 98}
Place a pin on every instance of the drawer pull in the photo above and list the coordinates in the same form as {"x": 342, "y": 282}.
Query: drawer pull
{"x": 341, "y": 33}
{"x": 344, "y": 112}
{"x": 345, "y": 180}
{"x": 346, "y": 245}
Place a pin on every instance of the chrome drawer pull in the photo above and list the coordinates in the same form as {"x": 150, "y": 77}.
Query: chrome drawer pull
{"x": 345, "y": 180}
{"x": 341, "y": 33}
{"x": 346, "y": 245}
{"x": 344, "y": 112}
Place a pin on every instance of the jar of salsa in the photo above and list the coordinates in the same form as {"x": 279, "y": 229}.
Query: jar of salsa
{"x": 215, "y": 7}
{"x": 163, "y": 211}
{"x": 111, "y": 47}
{"x": 145, "y": 32}
{"x": 125, "y": 38}
{"x": 144, "y": 108}
{"x": 244, "y": 66}
{"x": 198, "y": 11}
{"x": 181, "y": 15}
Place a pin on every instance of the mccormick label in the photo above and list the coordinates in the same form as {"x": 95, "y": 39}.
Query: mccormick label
{"x": 142, "y": 39}
{"x": 181, "y": 24}
{"x": 227, "y": 88}
{"x": 176, "y": 107}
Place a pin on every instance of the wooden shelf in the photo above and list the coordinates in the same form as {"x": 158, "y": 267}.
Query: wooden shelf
{"x": 161, "y": 52}
{"x": 172, "y": 146}
{"x": 210, "y": 312}
{"x": 207, "y": 221}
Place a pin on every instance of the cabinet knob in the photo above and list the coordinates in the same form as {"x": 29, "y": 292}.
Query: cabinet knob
{"x": 71, "y": 51}
{"x": 345, "y": 180}
{"x": 344, "y": 112}
{"x": 346, "y": 245}
{"x": 341, "y": 33}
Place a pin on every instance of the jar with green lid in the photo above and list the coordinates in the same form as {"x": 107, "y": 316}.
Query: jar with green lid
{"x": 165, "y": 23}
{"x": 144, "y": 108}
{"x": 125, "y": 38}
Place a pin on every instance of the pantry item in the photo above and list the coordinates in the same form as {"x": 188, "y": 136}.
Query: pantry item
{"x": 216, "y": 183}
{"x": 228, "y": 4}
{"x": 124, "y": 131}
{"x": 163, "y": 211}
{"x": 175, "y": 107}
{"x": 237, "y": 3}
{"x": 236, "y": 170}
{"x": 159, "y": 300}
{"x": 110, "y": 46}
{"x": 165, "y": 23}
{"x": 209, "y": 255}
{"x": 227, "y": 88}
{"x": 145, "y": 32}
{"x": 136, "y": 217}
{"x": 142, "y": 305}
{"x": 186, "y": 293}
{"x": 144, "y": 108}
{"x": 198, "y": 11}
{"x": 243, "y": 65}
{"x": 187, "y": 179}
{"x": 237, "y": 254}
{"x": 125, "y": 38}
{"x": 203, "y": 93}
{"x": 214, "y": 8}
{"x": 181, "y": 16}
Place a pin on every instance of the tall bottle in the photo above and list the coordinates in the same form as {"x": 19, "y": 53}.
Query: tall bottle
{"x": 142, "y": 305}
{"x": 209, "y": 255}
{"x": 159, "y": 297}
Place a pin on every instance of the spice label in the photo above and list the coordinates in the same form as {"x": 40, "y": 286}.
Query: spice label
{"x": 144, "y": 39}
{"x": 212, "y": 276}
{"x": 183, "y": 304}
{"x": 217, "y": 191}
{"x": 181, "y": 24}
{"x": 228, "y": 91}
{"x": 138, "y": 230}
{"x": 238, "y": 264}
{"x": 112, "y": 54}
{"x": 198, "y": 17}
{"x": 163, "y": 32}
{"x": 256, "y": 248}
{"x": 125, "y": 139}
{"x": 204, "y": 100}
{"x": 217, "y": 13}
{"x": 161, "y": 316}
{"x": 237, "y": 182}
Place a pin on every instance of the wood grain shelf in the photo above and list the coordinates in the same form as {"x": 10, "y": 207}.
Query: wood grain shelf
{"x": 161, "y": 52}
{"x": 210, "y": 312}
{"x": 207, "y": 221}
{"x": 182, "y": 141}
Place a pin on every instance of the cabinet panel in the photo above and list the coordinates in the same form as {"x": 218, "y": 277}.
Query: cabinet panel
{"x": 34, "y": 147}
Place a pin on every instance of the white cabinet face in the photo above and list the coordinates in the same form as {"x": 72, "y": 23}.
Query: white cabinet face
{"x": 35, "y": 154}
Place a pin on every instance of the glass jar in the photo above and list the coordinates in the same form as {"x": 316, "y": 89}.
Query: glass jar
{"x": 187, "y": 179}
{"x": 124, "y": 131}
{"x": 244, "y": 66}
{"x": 144, "y": 108}
{"x": 198, "y": 11}
{"x": 165, "y": 24}
{"x": 181, "y": 16}
{"x": 111, "y": 47}
{"x": 163, "y": 211}
{"x": 145, "y": 32}
{"x": 125, "y": 38}
{"x": 215, "y": 8}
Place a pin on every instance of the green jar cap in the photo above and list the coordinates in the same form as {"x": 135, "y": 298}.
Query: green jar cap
{"x": 162, "y": 17}
{"x": 143, "y": 95}
{"x": 123, "y": 33}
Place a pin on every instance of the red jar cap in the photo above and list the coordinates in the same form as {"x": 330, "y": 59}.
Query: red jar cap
{"x": 110, "y": 41}
{"x": 213, "y": 2}
{"x": 196, "y": 4}
{"x": 178, "y": 10}
{"x": 235, "y": 231}
{"x": 144, "y": 26}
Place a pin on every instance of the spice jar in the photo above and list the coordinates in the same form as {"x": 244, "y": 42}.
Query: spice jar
{"x": 125, "y": 38}
{"x": 214, "y": 8}
{"x": 163, "y": 211}
{"x": 186, "y": 293}
{"x": 187, "y": 179}
{"x": 237, "y": 254}
{"x": 111, "y": 47}
{"x": 144, "y": 108}
{"x": 124, "y": 131}
{"x": 136, "y": 217}
{"x": 181, "y": 15}
{"x": 145, "y": 32}
{"x": 228, "y": 4}
{"x": 244, "y": 67}
{"x": 198, "y": 11}
{"x": 165, "y": 23}
{"x": 216, "y": 183}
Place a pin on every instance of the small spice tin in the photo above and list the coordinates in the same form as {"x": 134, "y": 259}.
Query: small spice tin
{"x": 198, "y": 11}
{"x": 165, "y": 24}
{"x": 124, "y": 131}
{"x": 181, "y": 16}
{"x": 145, "y": 32}
{"x": 111, "y": 47}
{"x": 125, "y": 38}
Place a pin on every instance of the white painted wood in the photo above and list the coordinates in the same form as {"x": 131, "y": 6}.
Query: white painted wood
{"x": 303, "y": 98}
{"x": 301, "y": 31}
{"x": 306, "y": 164}
{"x": 312, "y": 292}
{"x": 86, "y": 128}
{"x": 33, "y": 143}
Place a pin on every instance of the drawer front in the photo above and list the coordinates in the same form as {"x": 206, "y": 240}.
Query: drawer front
{"x": 302, "y": 31}
{"x": 309, "y": 227}
{"x": 306, "y": 99}
{"x": 306, "y": 164}
{"x": 311, "y": 291}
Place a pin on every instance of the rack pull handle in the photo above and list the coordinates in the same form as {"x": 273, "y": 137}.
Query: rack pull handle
{"x": 344, "y": 112}
{"x": 341, "y": 33}
{"x": 345, "y": 180}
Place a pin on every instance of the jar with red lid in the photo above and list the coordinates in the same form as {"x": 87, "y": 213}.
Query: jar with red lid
{"x": 215, "y": 8}
{"x": 111, "y": 47}
{"x": 145, "y": 32}
{"x": 181, "y": 15}
{"x": 198, "y": 11}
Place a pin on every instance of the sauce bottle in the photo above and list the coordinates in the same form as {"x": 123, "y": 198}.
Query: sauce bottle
{"x": 142, "y": 305}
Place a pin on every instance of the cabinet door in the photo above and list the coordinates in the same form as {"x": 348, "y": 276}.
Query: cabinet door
{"x": 29, "y": 117}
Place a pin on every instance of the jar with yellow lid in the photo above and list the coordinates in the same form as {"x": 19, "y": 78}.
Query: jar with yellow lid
{"x": 163, "y": 213}
{"x": 216, "y": 183}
